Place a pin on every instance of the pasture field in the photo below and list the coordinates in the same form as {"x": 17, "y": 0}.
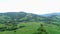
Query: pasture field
{"x": 31, "y": 28}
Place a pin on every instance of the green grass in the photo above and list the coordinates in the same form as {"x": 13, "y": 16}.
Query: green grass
{"x": 31, "y": 28}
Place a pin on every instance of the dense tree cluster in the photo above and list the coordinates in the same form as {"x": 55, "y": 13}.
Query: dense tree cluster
{"x": 41, "y": 30}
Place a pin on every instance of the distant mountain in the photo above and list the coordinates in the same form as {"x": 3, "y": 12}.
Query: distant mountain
{"x": 16, "y": 17}
{"x": 51, "y": 14}
{"x": 55, "y": 17}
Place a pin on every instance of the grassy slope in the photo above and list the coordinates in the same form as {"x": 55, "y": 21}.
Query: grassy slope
{"x": 32, "y": 27}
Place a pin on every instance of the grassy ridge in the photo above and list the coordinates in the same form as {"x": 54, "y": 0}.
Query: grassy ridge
{"x": 31, "y": 28}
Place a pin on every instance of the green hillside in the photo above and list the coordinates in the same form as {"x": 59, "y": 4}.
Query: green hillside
{"x": 28, "y": 23}
{"x": 31, "y": 28}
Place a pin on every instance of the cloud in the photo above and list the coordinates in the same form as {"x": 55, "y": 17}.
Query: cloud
{"x": 33, "y": 6}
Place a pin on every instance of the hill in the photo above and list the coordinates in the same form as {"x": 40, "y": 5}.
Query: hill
{"x": 10, "y": 17}
{"x": 28, "y": 23}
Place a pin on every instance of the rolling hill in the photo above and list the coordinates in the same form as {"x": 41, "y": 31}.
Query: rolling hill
{"x": 28, "y": 23}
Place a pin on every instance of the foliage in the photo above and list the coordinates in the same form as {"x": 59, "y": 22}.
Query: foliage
{"x": 41, "y": 30}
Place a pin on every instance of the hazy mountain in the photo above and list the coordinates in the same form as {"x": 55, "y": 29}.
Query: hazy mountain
{"x": 51, "y": 14}
{"x": 12, "y": 17}
{"x": 16, "y": 17}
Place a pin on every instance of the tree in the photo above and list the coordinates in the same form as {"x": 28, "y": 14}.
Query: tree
{"x": 41, "y": 30}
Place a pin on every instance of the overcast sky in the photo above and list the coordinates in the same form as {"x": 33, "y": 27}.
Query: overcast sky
{"x": 32, "y": 6}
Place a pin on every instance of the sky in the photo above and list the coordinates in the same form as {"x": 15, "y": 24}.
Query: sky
{"x": 31, "y": 6}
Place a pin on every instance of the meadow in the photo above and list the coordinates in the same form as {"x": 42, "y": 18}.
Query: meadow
{"x": 31, "y": 28}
